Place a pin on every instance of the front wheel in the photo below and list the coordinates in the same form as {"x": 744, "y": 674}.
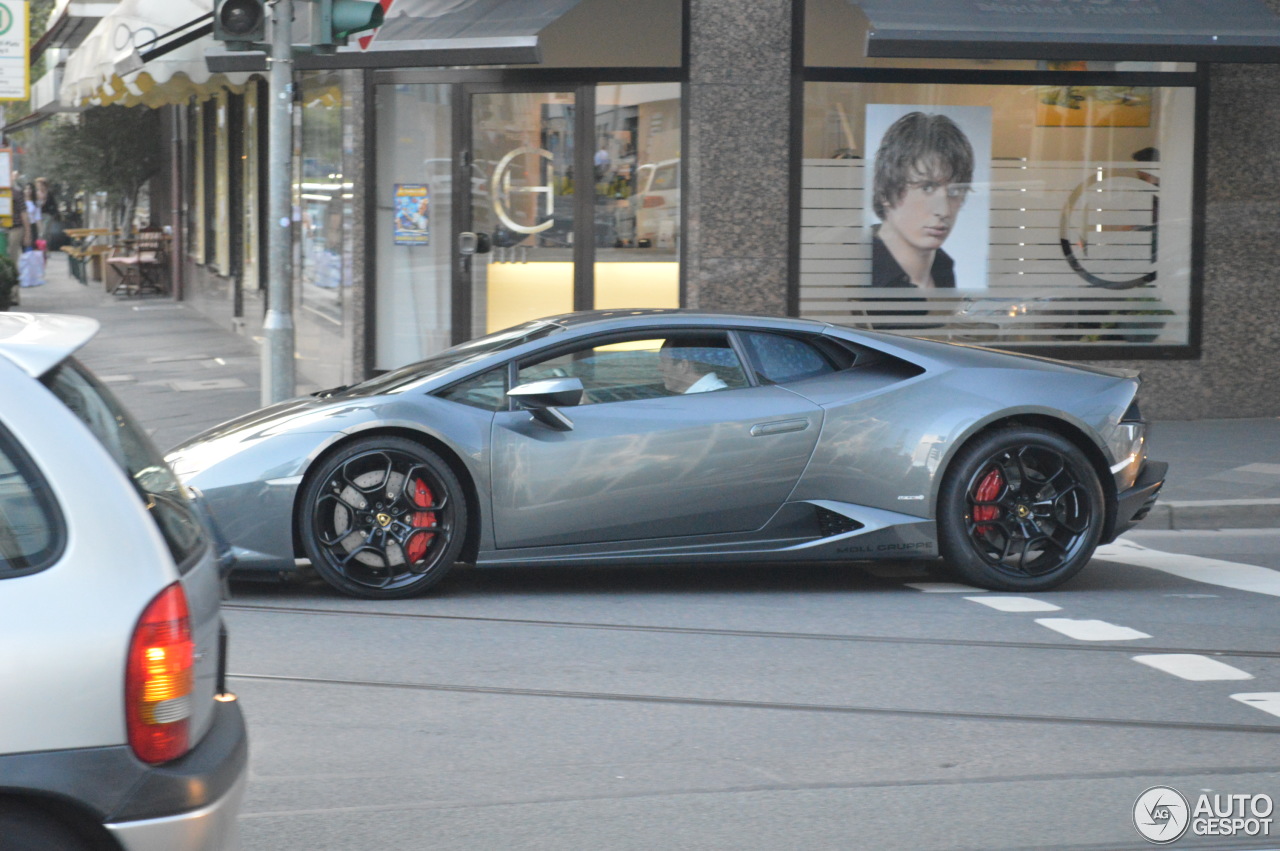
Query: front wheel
{"x": 1019, "y": 510}
{"x": 383, "y": 518}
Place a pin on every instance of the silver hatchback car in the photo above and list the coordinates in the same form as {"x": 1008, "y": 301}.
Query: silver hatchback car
{"x": 116, "y": 729}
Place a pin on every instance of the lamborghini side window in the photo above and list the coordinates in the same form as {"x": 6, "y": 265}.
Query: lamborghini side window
{"x": 487, "y": 390}
{"x": 779, "y": 359}
{"x": 669, "y": 364}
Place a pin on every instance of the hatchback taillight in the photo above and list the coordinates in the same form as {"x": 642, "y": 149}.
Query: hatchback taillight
{"x": 159, "y": 679}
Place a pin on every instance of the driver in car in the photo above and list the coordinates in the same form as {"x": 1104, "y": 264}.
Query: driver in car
{"x": 683, "y": 368}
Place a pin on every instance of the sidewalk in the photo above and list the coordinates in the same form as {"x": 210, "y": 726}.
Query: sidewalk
{"x": 180, "y": 373}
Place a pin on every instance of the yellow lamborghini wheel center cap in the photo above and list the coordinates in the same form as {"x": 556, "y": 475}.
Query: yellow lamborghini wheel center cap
{"x": 384, "y": 519}
{"x": 1023, "y": 511}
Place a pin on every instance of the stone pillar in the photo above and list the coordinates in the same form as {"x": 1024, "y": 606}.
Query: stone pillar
{"x": 737, "y": 197}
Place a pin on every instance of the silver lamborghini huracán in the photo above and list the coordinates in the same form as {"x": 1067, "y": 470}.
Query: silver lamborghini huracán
{"x": 647, "y": 435}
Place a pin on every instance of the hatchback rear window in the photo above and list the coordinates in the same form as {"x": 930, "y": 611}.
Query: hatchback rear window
{"x": 30, "y": 526}
{"x": 166, "y": 500}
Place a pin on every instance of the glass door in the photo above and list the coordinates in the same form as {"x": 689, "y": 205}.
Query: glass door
{"x": 517, "y": 249}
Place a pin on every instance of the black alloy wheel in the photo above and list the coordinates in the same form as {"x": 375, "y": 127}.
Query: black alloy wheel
{"x": 383, "y": 518}
{"x": 1019, "y": 510}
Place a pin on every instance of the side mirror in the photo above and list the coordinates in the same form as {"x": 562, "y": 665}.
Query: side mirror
{"x": 542, "y": 398}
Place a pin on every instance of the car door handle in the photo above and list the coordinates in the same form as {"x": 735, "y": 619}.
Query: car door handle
{"x": 779, "y": 427}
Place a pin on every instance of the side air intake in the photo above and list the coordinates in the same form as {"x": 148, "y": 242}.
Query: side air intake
{"x": 831, "y": 523}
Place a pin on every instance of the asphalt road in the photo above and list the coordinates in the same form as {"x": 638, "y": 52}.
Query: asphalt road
{"x": 762, "y": 707}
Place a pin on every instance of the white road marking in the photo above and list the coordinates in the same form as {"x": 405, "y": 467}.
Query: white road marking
{"x": 1016, "y": 604}
{"x": 945, "y": 588}
{"x": 1266, "y": 469}
{"x": 1212, "y": 571}
{"x": 1083, "y": 630}
{"x": 1267, "y": 701}
{"x": 1191, "y": 666}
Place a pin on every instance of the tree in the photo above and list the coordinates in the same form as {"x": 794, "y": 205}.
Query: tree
{"x": 112, "y": 149}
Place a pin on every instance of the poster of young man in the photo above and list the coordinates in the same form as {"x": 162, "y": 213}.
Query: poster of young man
{"x": 928, "y": 180}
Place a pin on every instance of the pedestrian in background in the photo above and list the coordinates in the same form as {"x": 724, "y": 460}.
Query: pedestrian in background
{"x": 31, "y": 264}
{"x": 52, "y": 229}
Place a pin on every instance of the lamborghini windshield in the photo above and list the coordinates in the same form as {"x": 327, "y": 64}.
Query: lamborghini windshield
{"x": 463, "y": 353}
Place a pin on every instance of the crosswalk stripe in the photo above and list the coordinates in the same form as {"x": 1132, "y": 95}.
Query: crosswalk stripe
{"x": 1266, "y": 701}
{"x": 945, "y": 588}
{"x": 1192, "y": 666}
{"x": 1212, "y": 571}
{"x": 1016, "y": 604}
{"x": 1091, "y": 630}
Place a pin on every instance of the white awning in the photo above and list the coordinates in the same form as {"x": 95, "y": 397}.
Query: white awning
{"x": 102, "y": 70}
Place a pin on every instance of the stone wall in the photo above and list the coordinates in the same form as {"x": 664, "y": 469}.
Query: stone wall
{"x": 737, "y": 198}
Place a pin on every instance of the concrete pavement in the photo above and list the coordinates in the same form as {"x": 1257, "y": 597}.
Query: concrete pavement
{"x": 180, "y": 373}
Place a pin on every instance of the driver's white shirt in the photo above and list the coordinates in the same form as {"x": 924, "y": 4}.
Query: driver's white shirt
{"x": 710, "y": 381}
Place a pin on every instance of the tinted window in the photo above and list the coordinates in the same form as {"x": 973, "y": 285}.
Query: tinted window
{"x": 780, "y": 359}
{"x": 29, "y": 521}
{"x": 165, "y": 499}
{"x": 658, "y": 365}
{"x": 488, "y": 390}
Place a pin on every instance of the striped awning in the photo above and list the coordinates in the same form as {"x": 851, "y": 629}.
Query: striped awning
{"x": 106, "y": 69}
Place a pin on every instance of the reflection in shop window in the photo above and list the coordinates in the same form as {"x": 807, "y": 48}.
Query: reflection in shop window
{"x": 637, "y": 195}
{"x": 323, "y": 195}
{"x": 1009, "y": 215}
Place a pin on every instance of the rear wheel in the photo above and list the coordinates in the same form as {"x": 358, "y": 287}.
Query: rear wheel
{"x": 1019, "y": 510}
{"x": 383, "y": 518}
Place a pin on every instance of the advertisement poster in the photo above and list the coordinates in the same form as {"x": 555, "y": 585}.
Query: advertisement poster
{"x": 928, "y": 187}
{"x": 412, "y": 210}
{"x": 1093, "y": 106}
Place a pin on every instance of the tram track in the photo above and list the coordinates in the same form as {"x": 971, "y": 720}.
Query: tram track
{"x": 776, "y": 706}
{"x": 758, "y": 634}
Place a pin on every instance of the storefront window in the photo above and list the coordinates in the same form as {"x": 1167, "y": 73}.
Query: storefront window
{"x": 413, "y": 222}
{"x": 250, "y": 167}
{"x": 200, "y": 206}
{"x": 323, "y": 198}
{"x": 1021, "y": 215}
{"x": 636, "y": 175}
{"x": 524, "y": 144}
{"x": 221, "y": 183}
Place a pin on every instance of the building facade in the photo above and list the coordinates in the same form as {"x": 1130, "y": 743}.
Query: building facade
{"x": 733, "y": 155}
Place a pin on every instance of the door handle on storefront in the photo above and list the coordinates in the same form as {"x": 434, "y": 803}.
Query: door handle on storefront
{"x": 474, "y": 243}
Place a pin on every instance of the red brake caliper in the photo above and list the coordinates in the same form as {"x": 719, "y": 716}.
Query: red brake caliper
{"x": 417, "y": 545}
{"x": 988, "y": 490}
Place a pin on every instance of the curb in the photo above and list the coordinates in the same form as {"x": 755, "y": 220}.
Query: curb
{"x": 1214, "y": 514}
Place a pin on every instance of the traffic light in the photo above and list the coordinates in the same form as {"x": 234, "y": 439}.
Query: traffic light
{"x": 240, "y": 22}
{"x": 333, "y": 20}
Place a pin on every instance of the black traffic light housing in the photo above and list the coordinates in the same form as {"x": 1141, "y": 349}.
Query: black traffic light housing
{"x": 240, "y": 23}
{"x": 332, "y": 21}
